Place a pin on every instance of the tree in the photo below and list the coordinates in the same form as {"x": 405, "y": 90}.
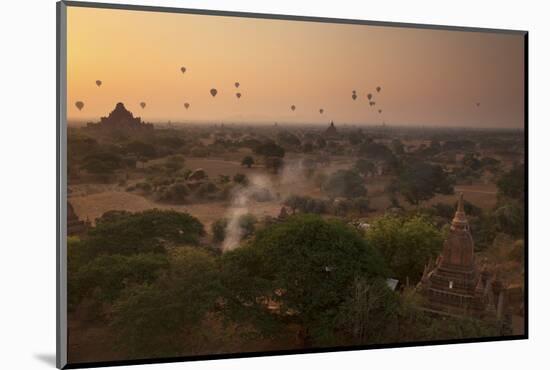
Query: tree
{"x": 510, "y": 218}
{"x": 306, "y": 266}
{"x": 369, "y": 311}
{"x": 512, "y": 183}
{"x": 174, "y": 193}
{"x": 102, "y": 163}
{"x": 288, "y": 139}
{"x": 143, "y": 232}
{"x": 164, "y": 318}
{"x": 490, "y": 163}
{"x": 247, "y": 224}
{"x": 361, "y": 205}
{"x": 270, "y": 149}
{"x": 247, "y": 161}
{"x": 405, "y": 244}
{"x": 471, "y": 160}
{"x": 295, "y": 202}
{"x": 365, "y": 167}
{"x": 106, "y": 276}
{"x": 240, "y": 178}
{"x": 306, "y": 204}
{"x": 79, "y": 145}
{"x": 174, "y": 163}
{"x": 373, "y": 150}
{"x": 142, "y": 150}
{"x": 320, "y": 142}
{"x": 218, "y": 229}
{"x": 397, "y": 147}
{"x": 460, "y": 145}
{"x": 274, "y": 163}
{"x": 172, "y": 141}
{"x": 420, "y": 181}
{"x": 345, "y": 183}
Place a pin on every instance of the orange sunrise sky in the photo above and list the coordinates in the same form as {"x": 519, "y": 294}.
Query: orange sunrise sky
{"x": 428, "y": 77}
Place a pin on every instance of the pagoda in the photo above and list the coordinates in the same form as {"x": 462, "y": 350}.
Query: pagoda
{"x": 120, "y": 118}
{"x": 331, "y": 131}
{"x": 75, "y": 226}
{"x": 453, "y": 285}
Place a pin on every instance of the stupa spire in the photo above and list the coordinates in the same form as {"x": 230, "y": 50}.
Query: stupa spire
{"x": 460, "y": 221}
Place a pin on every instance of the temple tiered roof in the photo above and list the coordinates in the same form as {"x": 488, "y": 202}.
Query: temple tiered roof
{"x": 331, "y": 131}
{"x": 121, "y": 118}
{"x": 453, "y": 284}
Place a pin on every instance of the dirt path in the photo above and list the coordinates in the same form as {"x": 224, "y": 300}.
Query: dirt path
{"x": 474, "y": 190}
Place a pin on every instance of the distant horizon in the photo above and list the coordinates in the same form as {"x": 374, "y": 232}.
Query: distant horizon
{"x": 83, "y": 123}
{"x": 427, "y": 77}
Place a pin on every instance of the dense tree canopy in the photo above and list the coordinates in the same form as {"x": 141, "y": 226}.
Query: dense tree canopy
{"x": 141, "y": 149}
{"x": 512, "y": 183}
{"x": 288, "y": 139}
{"x": 405, "y": 244}
{"x": 162, "y": 318}
{"x": 107, "y": 275}
{"x": 103, "y": 162}
{"x": 420, "y": 181}
{"x": 270, "y": 149}
{"x": 147, "y": 231}
{"x": 306, "y": 266}
{"x": 373, "y": 150}
{"x": 365, "y": 167}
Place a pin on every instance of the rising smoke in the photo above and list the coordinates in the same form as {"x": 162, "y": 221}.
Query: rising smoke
{"x": 261, "y": 188}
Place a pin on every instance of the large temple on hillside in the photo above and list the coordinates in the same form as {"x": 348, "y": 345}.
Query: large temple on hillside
{"x": 120, "y": 119}
{"x": 454, "y": 284}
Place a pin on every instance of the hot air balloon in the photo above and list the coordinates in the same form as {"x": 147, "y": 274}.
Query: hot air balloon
{"x": 183, "y": 69}
{"x": 213, "y": 92}
{"x": 293, "y": 107}
{"x": 378, "y": 88}
{"x": 186, "y": 105}
{"x": 98, "y": 83}
{"x": 238, "y": 95}
{"x": 237, "y": 85}
{"x": 79, "y": 105}
{"x": 379, "y": 110}
{"x": 369, "y": 96}
{"x": 321, "y": 110}
{"x": 142, "y": 104}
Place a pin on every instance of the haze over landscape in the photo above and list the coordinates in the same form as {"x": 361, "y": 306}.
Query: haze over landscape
{"x": 254, "y": 185}
{"x": 428, "y": 77}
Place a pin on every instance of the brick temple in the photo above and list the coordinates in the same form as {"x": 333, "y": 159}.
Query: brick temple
{"x": 454, "y": 285}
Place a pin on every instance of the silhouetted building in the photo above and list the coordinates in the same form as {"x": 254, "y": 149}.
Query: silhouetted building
{"x": 120, "y": 119}
{"x": 75, "y": 226}
{"x": 331, "y": 131}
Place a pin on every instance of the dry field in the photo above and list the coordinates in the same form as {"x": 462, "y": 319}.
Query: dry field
{"x": 90, "y": 201}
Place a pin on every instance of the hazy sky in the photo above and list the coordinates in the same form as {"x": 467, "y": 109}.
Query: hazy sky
{"x": 428, "y": 77}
